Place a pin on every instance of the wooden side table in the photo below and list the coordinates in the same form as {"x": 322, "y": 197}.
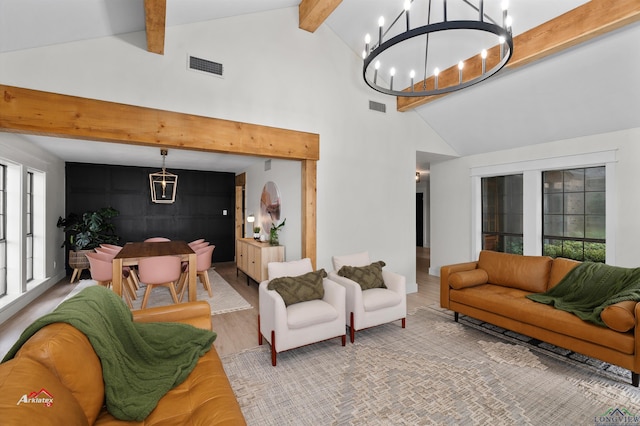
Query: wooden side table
{"x": 253, "y": 256}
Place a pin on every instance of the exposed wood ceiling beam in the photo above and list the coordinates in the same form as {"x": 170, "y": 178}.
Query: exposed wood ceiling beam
{"x": 314, "y": 12}
{"x": 579, "y": 25}
{"x": 155, "y": 12}
{"x": 51, "y": 114}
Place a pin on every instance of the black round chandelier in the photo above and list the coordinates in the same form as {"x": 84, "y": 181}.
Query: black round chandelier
{"x": 417, "y": 48}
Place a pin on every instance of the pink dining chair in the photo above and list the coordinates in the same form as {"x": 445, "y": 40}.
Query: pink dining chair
{"x": 101, "y": 269}
{"x": 203, "y": 263}
{"x": 126, "y": 270}
{"x": 112, "y": 248}
{"x": 156, "y": 240}
{"x": 159, "y": 271}
{"x": 198, "y": 246}
{"x": 106, "y": 251}
{"x": 196, "y": 242}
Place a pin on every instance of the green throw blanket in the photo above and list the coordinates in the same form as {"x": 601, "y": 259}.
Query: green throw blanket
{"x": 590, "y": 287}
{"x": 141, "y": 362}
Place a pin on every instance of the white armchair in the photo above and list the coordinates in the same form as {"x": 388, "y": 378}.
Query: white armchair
{"x": 299, "y": 324}
{"x": 374, "y": 306}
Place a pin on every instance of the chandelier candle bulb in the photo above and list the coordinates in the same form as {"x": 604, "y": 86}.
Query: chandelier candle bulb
{"x": 380, "y": 25}
{"x": 375, "y": 75}
{"x": 436, "y": 72}
{"x": 407, "y": 6}
{"x": 505, "y": 5}
{"x": 483, "y": 55}
{"x": 367, "y": 40}
{"x": 460, "y": 66}
{"x": 412, "y": 74}
{"x": 392, "y": 72}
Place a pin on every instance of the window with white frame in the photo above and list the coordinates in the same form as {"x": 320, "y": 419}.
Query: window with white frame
{"x": 502, "y": 213}
{"x": 29, "y": 227}
{"x": 599, "y": 196}
{"x": 574, "y": 219}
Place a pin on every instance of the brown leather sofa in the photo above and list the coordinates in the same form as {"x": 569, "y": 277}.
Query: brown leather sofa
{"x": 56, "y": 379}
{"x": 493, "y": 289}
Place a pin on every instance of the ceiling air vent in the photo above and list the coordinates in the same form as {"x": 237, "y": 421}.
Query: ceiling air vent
{"x": 377, "y": 106}
{"x": 205, "y": 66}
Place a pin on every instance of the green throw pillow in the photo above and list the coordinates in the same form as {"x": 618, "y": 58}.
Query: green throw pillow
{"x": 299, "y": 289}
{"x": 367, "y": 276}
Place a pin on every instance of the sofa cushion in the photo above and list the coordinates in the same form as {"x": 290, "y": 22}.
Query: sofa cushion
{"x": 379, "y": 298}
{"x": 306, "y": 314}
{"x": 205, "y": 397}
{"x": 356, "y": 259}
{"x": 620, "y": 316}
{"x": 464, "y": 279}
{"x": 66, "y": 352}
{"x": 512, "y": 303}
{"x": 301, "y": 288}
{"x": 559, "y": 268}
{"x": 291, "y": 268}
{"x": 529, "y": 273}
{"x": 21, "y": 377}
{"x": 368, "y": 277}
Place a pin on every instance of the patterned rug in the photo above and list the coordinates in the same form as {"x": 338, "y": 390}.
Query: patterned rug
{"x": 225, "y": 298}
{"x": 613, "y": 371}
{"x": 435, "y": 371}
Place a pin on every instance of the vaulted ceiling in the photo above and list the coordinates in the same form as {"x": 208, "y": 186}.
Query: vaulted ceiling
{"x": 580, "y": 89}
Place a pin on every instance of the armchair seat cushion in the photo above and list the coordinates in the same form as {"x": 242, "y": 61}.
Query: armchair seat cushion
{"x": 379, "y": 298}
{"x": 312, "y": 312}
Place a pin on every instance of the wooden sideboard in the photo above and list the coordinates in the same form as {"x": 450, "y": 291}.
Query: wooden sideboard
{"x": 253, "y": 256}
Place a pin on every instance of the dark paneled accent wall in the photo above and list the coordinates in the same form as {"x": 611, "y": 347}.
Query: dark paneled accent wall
{"x": 197, "y": 212}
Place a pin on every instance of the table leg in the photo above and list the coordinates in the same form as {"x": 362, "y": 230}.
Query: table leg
{"x": 116, "y": 279}
{"x": 193, "y": 265}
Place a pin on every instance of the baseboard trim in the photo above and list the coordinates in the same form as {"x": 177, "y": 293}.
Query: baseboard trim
{"x": 16, "y": 303}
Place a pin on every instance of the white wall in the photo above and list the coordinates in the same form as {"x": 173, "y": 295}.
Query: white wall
{"x": 287, "y": 175}
{"x": 451, "y": 218}
{"x": 23, "y": 156}
{"x": 275, "y": 75}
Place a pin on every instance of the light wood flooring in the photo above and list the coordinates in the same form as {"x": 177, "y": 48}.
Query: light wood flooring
{"x": 236, "y": 330}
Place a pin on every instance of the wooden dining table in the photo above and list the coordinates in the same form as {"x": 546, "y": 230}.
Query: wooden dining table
{"x": 131, "y": 253}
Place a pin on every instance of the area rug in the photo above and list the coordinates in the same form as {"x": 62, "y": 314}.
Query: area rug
{"x": 435, "y": 371}
{"x": 615, "y": 372}
{"x": 225, "y": 299}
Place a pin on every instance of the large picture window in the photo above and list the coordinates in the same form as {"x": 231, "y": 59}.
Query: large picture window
{"x": 502, "y": 213}
{"x": 573, "y": 203}
{"x": 29, "y": 226}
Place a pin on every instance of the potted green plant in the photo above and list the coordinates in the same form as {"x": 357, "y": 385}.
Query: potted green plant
{"x": 86, "y": 232}
{"x": 256, "y": 232}
{"x": 274, "y": 238}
